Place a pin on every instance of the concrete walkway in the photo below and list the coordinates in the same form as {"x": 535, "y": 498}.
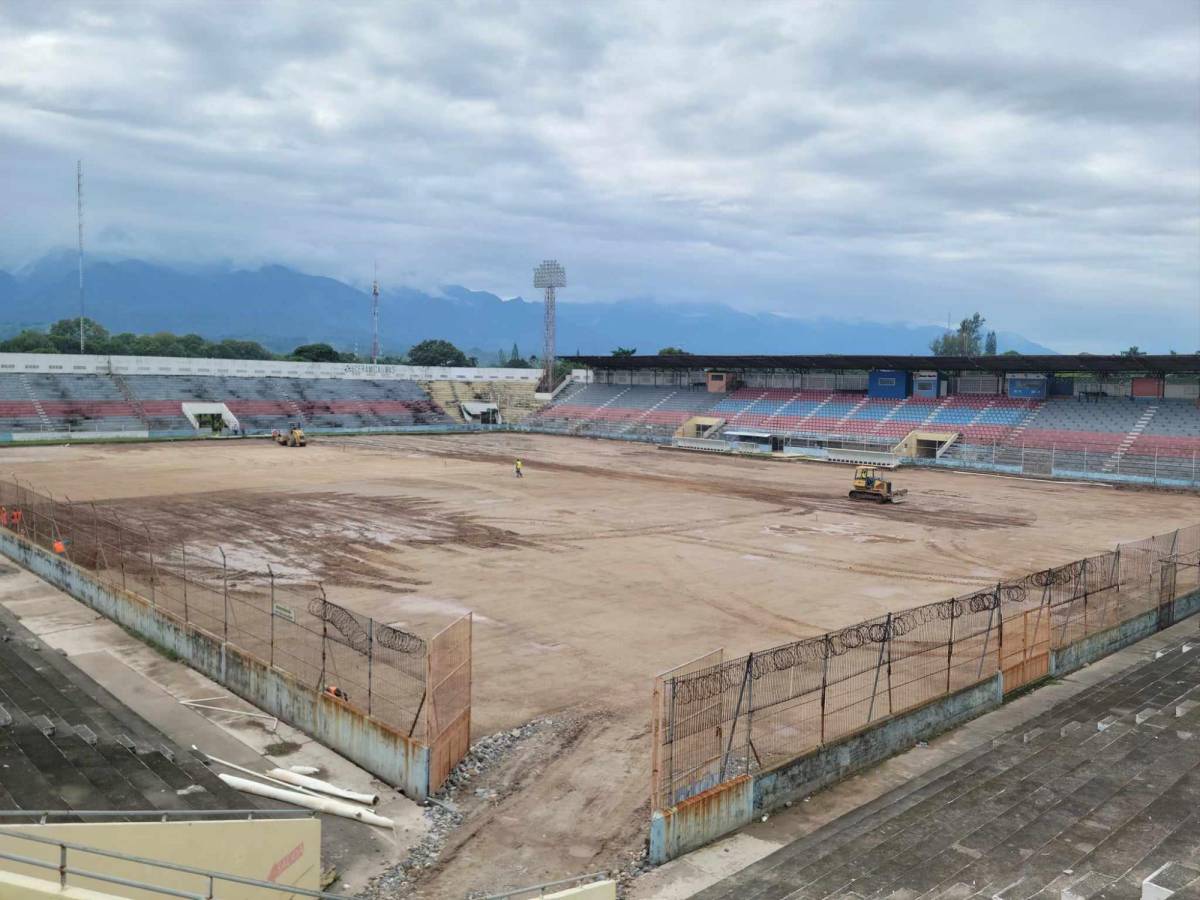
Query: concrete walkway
{"x": 152, "y": 686}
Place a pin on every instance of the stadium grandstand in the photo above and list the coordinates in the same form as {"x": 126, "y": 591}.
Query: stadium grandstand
{"x": 96, "y": 396}
{"x": 1116, "y": 418}
{"x": 1111, "y": 417}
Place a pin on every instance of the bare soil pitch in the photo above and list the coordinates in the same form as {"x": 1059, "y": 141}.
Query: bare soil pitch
{"x": 606, "y": 564}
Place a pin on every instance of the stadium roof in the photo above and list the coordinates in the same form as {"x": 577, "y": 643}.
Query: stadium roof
{"x": 1099, "y": 365}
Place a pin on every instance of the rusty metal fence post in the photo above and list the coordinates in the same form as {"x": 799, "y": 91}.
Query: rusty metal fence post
{"x": 153, "y": 568}
{"x": 183, "y": 552}
{"x": 224, "y": 593}
{"x": 949, "y": 647}
{"x": 825, "y": 681}
{"x": 271, "y": 576}
{"x": 324, "y": 635}
{"x": 883, "y": 645}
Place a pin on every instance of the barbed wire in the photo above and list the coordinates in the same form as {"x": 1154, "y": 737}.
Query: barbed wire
{"x": 395, "y": 639}
{"x": 357, "y": 638}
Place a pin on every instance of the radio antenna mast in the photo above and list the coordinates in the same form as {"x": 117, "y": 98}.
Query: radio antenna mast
{"x": 375, "y": 316}
{"x": 79, "y": 211}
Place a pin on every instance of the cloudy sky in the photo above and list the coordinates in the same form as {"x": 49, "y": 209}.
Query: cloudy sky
{"x": 1037, "y": 161}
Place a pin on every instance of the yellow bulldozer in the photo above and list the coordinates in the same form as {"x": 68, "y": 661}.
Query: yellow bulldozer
{"x": 293, "y": 437}
{"x": 869, "y": 486}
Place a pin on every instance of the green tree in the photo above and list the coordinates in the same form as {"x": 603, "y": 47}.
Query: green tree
{"x": 231, "y": 349}
{"x": 989, "y": 345}
{"x": 64, "y": 334}
{"x": 315, "y": 353}
{"x": 966, "y": 341}
{"x": 1133, "y": 351}
{"x": 625, "y": 352}
{"x": 515, "y": 360}
{"x": 673, "y": 351}
{"x": 436, "y": 352}
{"x": 29, "y": 341}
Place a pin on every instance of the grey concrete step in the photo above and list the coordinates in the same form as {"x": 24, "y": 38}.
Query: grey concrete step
{"x": 1058, "y": 798}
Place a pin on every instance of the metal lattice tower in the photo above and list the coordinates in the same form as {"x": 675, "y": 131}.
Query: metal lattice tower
{"x": 549, "y": 276}
{"x": 79, "y": 210}
{"x": 375, "y": 317}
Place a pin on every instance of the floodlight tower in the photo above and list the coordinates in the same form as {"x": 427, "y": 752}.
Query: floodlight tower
{"x": 375, "y": 316}
{"x": 549, "y": 276}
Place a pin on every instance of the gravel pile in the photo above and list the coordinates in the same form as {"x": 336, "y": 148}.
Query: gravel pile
{"x": 443, "y": 814}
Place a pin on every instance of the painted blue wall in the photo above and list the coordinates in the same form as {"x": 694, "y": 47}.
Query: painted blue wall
{"x": 933, "y": 386}
{"x": 888, "y": 383}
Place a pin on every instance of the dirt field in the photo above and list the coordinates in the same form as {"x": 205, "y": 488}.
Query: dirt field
{"x": 607, "y": 563}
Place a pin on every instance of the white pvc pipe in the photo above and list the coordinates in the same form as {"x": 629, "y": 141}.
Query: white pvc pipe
{"x": 308, "y": 801}
{"x": 304, "y": 770}
{"x": 324, "y": 787}
{"x": 227, "y": 764}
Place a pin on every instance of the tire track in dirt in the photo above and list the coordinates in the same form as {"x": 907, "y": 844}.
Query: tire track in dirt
{"x": 840, "y": 565}
{"x": 797, "y": 501}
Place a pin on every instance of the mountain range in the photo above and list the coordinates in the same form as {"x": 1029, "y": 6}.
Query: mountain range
{"x": 283, "y": 308}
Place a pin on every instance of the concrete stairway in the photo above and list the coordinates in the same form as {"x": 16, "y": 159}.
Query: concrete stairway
{"x": 1014, "y": 436}
{"x": 1087, "y": 800}
{"x": 444, "y": 395}
{"x": 633, "y": 423}
{"x": 131, "y": 399}
{"x": 295, "y": 412}
{"x": 933, "y": 412}
{"x": 37, "y": 404}
{"x": 605, "y": 405}
{"x": 1133, "y": 435}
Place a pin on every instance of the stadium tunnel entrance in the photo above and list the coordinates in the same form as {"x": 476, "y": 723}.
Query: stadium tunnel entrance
{"x": 210, "y": 417}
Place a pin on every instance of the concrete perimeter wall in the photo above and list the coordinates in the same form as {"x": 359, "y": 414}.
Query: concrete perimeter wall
{"x": 1095, "y": 646}
{"x": 88, "y": 364}
{"x": 346, "y": 729}
{"x": 702, "y": 819}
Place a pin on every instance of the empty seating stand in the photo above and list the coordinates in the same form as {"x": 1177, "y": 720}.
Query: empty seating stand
{"x": 66, "y": 744}
{"x": 115, "y": 403}
{"x": 624, "y": 410}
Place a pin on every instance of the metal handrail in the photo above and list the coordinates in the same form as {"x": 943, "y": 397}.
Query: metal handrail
{"x": 111, "y": 879}
{"x": 541, "y": 888}
{"x": 211, "y": 875}
{"x": 161, "y": 814}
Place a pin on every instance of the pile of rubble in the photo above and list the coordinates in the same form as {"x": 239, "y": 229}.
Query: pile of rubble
{"x": 443, "y": 813}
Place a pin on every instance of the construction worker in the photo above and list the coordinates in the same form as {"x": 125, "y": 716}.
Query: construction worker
{"x": 517, "y": 470}
{"x": 58, "y": 546}
{"x": 4, "y": 516}
{"x": 334, "y": 691}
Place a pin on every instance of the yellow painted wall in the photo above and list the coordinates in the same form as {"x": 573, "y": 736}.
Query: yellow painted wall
{"x": 286, "y": 851}
{"x": 21, "y": 887}
{"x": 597, "y": 890}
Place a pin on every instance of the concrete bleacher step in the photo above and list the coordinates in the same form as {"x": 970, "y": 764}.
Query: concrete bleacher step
{"x": 85, "y": 761}
{"x": 1051, "y": 796}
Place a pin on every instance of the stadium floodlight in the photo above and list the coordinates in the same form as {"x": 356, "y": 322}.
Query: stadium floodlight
{"x": 548, "y": 277}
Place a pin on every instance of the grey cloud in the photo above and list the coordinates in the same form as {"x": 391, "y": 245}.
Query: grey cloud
{"x": 805, "y": 158}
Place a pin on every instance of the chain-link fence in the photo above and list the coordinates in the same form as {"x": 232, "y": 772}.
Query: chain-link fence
{"x": 285, "y": 622}
{"x": 714, "y": 719}
{"x": 1171, "y": 466}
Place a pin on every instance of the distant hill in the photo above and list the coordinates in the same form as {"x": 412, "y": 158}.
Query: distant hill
{"x": 283, "y": 308}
